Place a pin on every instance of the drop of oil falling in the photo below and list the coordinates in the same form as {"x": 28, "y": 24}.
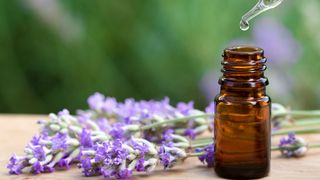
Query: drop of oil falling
{"x": 260, "y": 7}
{"x": 244, "y": 25}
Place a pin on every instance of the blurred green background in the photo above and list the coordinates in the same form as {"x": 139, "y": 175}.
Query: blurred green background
{"x": 54, "y": 54}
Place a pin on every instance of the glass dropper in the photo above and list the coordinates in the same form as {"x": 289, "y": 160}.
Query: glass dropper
{"x": 260, "y": 7}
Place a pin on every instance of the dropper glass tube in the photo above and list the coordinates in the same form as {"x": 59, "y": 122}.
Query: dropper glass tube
{"x": 260, "y": 7}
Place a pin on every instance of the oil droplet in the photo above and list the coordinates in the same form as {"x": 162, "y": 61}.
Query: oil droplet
{"x": 244, "y": 25}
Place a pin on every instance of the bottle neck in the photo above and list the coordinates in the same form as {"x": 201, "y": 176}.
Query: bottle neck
{"x": 243, "y": 72}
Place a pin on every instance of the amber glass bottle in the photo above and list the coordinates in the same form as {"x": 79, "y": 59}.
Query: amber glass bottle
{"x": 242, "y": 120}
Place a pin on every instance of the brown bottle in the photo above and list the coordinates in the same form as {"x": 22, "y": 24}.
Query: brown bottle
{"x": 242, "y": 119}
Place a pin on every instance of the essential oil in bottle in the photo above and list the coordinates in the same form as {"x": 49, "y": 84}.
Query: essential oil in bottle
{"x": 242, "y": 116}
{"x": 260, "y": 7}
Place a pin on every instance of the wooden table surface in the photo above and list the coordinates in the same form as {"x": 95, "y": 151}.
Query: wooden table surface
{"x": 17, "y": 130}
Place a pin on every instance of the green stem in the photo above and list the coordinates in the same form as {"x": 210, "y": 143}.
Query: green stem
{"x": 298, "y": 131}
{"x": 296, "y": 114}
{"x": 314, "y": 146}
{"x": 170, "y": 121}
{"x": 275, "y": 148}
{"x": 300, "y": 123}
{"x": 202, "y": 140}
{"x": 196, "y": 154}
{"x": 201, "y": 144}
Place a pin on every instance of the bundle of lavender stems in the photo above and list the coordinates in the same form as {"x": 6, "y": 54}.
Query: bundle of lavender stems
{"x": 115, "y": 139}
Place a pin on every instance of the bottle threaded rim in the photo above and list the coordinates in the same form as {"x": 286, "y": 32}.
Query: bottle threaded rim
{"x": 244, "y": 52}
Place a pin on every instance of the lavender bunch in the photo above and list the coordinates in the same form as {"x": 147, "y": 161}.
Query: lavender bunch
{"x": 64, "y": 137}
{"x": 131, "y": 114}
{"x": 45, "y": 152}
{"x": 292, "y": 146}
{"x": 120, "y": 159}
{"x": 58, "y": 144}
{"x": 63, "y": 122}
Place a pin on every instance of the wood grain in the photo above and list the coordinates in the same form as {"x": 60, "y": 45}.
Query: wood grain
{"x": 17, "y": 130}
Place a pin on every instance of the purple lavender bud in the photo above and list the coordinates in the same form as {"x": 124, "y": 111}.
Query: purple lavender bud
{"x": 165, "y": 158}
{"x": 190, "y": 133}
{"x": 143, "y": 149}
{"x": 288, "y": 140}
{"x": 210, "y": 108}
{"x": 117, "y": 131}
{"x": 140, "y": 165}
{"x": 166, "y": 135}
{"x": 16, "y": 164}
{"x": 109, "y": 105}
{"x": 96, "y": 101}
{"x": 104, "y": 124}
{"x": 83, "y": 116}
{"x": 124, "y": 174}
{"x": 35, "y": 140}
{"x": 37, "y": 168}
{"x": 85, "y": 139}
{"x": 88, "y": 168}
{"x": 64, "y": 112}
{"x": 107, "y": 173}
{"x": 292, "y": 146}
{"x": 170, "y": 155}
{"x": 185, "y": 108}
{"x": 208, "y": 157}
{"x": 117, "y": 154}
{"x": 38, "y": 152}
{"x": 101, "y": 151}
{"x": 64, "y": 163}
{"x": 59, "y": 142}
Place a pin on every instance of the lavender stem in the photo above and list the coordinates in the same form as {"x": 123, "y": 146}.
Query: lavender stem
{"x": 298, "y": 131}
{"x": 313, "y": 113}
{"x": 186, "y": 118}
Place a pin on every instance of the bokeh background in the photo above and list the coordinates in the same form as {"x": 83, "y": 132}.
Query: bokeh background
{"x": 55, "y": 53}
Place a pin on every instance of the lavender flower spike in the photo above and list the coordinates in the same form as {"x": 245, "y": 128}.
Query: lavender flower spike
{"x": 208, "y": 156}
{"x": 119, "y": 159}
{"x": 169, "y": 156}
{"x": 293, "y": 146}
{"x": 43, "y": 153}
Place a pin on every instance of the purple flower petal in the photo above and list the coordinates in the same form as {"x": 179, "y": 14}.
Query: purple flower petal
{"x": 37, "y": 168}
{"x": 208, "y": 157}
{"x": 185, "y": 108}
{"x": 16, "y": 164}
{"x": 167, "y": 135}
{"x": 38, "y": 152}
{"x": 64, "y": 112}
{"x": 96, "y": 101}
{"x": 124, "y": 174}
{"x": 117, "y": 131}
{"x": 139, "y": 166}
{"x": 88, "y": 169}
{"x": 190, "y": 132}
{"x": 107, "y": 173}
{"x": 109, "y": 105}
{"x": 59, "y": 142}
{"x": 85, "y": 139}
{"x": 211, "y": 108}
